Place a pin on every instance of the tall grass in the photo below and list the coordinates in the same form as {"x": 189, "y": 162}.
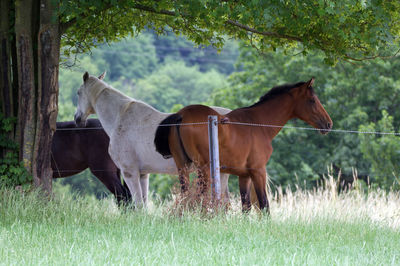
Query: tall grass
{"x": 305, "y": 227}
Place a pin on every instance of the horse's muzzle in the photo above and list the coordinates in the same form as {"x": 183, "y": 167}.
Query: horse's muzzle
{"x": 78, "y": 121}
{"x": 325, "y": 128}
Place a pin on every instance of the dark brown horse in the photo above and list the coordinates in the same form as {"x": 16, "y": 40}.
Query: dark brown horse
{"x": 74, "y": 149}
{"x": 244, "y": 150}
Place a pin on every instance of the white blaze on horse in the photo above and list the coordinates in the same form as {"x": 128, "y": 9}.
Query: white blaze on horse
{"x": 131, "y": 126}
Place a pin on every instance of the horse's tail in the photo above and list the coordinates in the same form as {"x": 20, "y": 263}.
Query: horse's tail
{"x": 162, "y": 134}
{"x": 161, "y": 140}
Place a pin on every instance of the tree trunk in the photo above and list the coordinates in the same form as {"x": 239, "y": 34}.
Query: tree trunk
{"x": 48, "y": 63}
{"x": 5, "y": 64}
{"x": 26, "y": 81}
{"x": 37, "y": 51}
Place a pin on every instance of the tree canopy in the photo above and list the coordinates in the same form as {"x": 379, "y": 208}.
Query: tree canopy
{"x": 344, "y": 29}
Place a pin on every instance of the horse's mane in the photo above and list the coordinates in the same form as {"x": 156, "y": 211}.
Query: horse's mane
{"x": 101, "y": 85}
{"x": 276, "y": 91}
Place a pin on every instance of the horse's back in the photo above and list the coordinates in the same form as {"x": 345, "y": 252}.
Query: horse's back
{"x": 196, "y": 113}
{"x": 65, "y": 124}
{"x": 221, "y": 110}
{"x": 90, "y": 123}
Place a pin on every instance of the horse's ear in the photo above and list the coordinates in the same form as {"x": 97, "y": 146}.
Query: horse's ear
{"x": 310, "y": 82}
{"x": 102, "y": 76}
{"x": 85, "y": 76}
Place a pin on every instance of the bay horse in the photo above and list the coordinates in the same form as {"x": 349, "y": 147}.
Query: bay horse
{"x": 131, "y": 125}
{"x": 75, "y": 149}
{"x": 244, "y": 150}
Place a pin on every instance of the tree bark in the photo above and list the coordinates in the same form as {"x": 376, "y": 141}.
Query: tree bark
{"x": 48, "y": 65}
{"x": 29, "y": 65}
{"x": 5, "y": 65}
{"x": 6, "y": 91}
{"x": 26, "y": 81}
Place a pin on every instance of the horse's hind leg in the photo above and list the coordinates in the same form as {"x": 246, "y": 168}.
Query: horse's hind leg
{"x": 182, "y": 162}
{"x": 203, "y": 180}
{"x": 244, "y": 188}
{"x": 144, "y": 184}
{"x": 259, "y": 181}
{"x": 184, "y": 179}
{"x": 224, "y": 188}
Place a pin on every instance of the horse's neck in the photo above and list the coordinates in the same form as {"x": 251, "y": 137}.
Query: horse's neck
{"x": 108, "y": 108}
{"x": 275, "y": 112}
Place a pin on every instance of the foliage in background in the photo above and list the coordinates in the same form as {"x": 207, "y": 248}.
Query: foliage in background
{"x": 174, "y": 82}
{"x": 383, "y": 152}
{"x": 354, "y": 95}
{"x": 12, "y": 171}
{"x": 83, "y": 184}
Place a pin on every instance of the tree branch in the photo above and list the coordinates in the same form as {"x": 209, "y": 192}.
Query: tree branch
{"x": 346, "y": 56}
{"x": 152, "y": 10}
{"x": 66, "y": 25}
{"x": 264, "y": 33}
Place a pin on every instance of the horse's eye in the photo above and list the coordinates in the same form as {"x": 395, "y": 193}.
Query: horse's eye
{"x": 312, "y": 100}
{"x": 78, "y": 93}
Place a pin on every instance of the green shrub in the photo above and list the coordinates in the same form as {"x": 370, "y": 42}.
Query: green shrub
{"x": 12, "y": 171}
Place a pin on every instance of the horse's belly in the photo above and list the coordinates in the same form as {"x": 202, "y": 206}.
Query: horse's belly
{"x": 158, "y": 165}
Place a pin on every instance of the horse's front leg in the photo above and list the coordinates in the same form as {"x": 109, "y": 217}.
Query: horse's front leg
{"x": 244, "y": 188}
{"x": 144, "y": 184}
{"x": 132, "y": 179}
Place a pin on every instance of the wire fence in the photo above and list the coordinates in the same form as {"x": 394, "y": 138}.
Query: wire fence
{"x": 231, "y": 123}
{"x": 254, "y": 125}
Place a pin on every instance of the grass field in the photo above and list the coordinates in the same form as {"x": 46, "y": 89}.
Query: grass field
{"x": 317, "y": 228}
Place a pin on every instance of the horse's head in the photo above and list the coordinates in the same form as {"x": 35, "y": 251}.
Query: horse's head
{"x": 309, "y": 109}
{"x": 85, "y": 107}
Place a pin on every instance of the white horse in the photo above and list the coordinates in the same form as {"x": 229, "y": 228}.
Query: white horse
{"x": 131, "y": 126}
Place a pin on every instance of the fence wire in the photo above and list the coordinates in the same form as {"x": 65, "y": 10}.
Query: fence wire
{"x": 257, "y": 125}
{"x": 241, "y": 124}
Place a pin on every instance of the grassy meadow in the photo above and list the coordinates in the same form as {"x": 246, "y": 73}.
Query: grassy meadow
{"x": 315, "y": 228}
